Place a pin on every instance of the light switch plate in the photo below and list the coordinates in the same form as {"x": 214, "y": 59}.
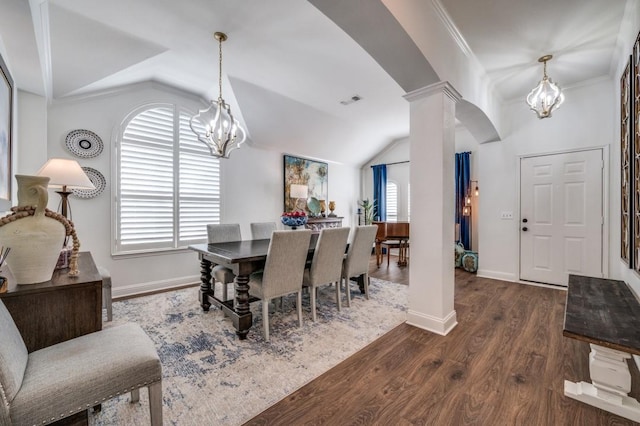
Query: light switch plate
{"x": 506, "y": 215}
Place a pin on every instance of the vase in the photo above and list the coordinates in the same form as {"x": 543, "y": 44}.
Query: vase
{"x": 332, "y": 207}
{"x": 35, "y": 239}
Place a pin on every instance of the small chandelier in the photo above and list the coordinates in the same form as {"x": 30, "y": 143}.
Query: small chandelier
{"x": 547, "y": 96}
{"x": 215, "y": 126}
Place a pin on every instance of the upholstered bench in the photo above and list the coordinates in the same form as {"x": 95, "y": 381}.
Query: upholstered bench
{"x": 60, "y": 380}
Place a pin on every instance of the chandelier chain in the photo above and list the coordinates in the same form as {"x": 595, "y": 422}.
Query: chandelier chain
{"x": 220, "y": 68}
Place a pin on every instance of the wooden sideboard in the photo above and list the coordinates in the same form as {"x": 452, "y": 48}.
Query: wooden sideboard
{"x": 318, "y": 223}
{"x": 57, "y": 310}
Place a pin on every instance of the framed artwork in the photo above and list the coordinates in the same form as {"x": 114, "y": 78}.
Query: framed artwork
{"x": 626, "y": 232}
{"x": 6, "y": 134}
{"x": 310, "y": 173}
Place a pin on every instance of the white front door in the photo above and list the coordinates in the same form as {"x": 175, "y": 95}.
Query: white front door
{"x": 561, "y": 216}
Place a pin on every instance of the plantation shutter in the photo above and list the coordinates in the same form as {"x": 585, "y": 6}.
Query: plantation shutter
{"x": 146, "y": 181}
{"x": 199, "y": 183}
{"x": 392, "y": 201}
{"x": 168, "y": 183}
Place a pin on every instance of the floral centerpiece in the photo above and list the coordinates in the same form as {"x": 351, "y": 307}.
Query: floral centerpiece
{"x": 294, "y": 219}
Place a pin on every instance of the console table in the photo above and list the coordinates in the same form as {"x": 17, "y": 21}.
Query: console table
{"x": 606, "y": 314}
{"x": 318, "y": 223}
{"x": 57, "y": 310}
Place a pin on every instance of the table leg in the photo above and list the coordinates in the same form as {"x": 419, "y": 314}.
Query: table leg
{"x": 205, "y": 286}
{"x": 241, "y": 308}
{"x": 610, "y": 384}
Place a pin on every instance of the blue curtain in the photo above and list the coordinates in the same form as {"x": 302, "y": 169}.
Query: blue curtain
{"x": 462, "y": 177}
{"x": 380, "y": 192}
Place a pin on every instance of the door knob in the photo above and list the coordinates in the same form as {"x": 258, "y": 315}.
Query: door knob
{"x": 525, "y": 229}
{"x": 525, "y": 220}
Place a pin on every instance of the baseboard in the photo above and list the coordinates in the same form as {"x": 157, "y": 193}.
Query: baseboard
{"x": 441, "y": 326}
{"x": 152, "y": 286}
{"x": 496, "y": 275}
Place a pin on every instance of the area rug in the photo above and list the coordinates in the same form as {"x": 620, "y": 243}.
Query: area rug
{"x": 210, "y": 377}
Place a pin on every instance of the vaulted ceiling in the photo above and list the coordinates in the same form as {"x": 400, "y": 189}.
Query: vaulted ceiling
{"x": 289, "y": 63}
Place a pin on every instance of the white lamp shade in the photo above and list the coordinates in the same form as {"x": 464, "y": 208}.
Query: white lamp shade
{"x": 298, "y": 191}
{"x": 63, "y": 172}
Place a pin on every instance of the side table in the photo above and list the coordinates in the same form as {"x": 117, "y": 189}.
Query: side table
{"x": 57, "y": 310}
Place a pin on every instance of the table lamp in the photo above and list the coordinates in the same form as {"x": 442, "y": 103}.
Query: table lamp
{"x": 298, "y": 191}
{"x": 65, "y": 174}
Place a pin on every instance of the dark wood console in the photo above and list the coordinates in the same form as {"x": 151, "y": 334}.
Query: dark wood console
{"x": 61, "y": 309}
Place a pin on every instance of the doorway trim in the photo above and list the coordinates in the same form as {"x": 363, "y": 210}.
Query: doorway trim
{"x": 605, "y": 203}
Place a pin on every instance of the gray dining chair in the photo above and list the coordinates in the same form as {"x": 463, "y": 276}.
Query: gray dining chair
{"x": 283, "y": 271}
{"x": 58, "y": 381}
{"x": 326, "y": 265}
{"x": 223, "y": 233}
{"x": 262, "y": 230}
{"x": 356, "y": 263}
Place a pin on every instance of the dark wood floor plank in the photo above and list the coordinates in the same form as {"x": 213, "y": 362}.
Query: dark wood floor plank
{"x": 504, "y": 364}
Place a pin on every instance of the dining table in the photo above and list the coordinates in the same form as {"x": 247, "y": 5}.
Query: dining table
{"x": 243, "y": 258}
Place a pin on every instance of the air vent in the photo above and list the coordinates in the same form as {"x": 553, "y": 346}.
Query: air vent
{"x": 354, "y": 98}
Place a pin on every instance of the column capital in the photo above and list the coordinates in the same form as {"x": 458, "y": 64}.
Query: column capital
{"x": 439, "y": 87}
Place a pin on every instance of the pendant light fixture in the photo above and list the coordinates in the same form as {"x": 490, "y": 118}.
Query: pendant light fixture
{"x": 547, "y": 96}
{"x": 215, "y": 126}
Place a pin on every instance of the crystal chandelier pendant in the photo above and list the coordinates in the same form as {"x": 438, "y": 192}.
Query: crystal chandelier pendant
{"x": 215, "y": 126}
{"x": 546, "y": 97}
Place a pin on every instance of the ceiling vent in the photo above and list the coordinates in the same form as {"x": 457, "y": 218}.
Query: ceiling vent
{"x": 354, "y": 98}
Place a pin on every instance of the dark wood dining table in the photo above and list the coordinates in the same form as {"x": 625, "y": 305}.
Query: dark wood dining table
{"x": 243, "y": 258}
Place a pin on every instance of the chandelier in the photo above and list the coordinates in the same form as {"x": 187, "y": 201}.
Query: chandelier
{"x": 547, "y": 96}
{"x": 215, "y": 126}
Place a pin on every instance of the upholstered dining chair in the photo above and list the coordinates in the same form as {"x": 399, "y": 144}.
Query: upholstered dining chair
{"x": 356, "y": 262}
{"x": 326, "y": 265}
{"x": 262, "y": 230}
{"x": 58, "y": 381}
{"x": 223, "y": 233}
{"x": 283, "y": 271}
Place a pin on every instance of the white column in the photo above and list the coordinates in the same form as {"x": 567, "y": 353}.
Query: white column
{"x": 432, "y": 152}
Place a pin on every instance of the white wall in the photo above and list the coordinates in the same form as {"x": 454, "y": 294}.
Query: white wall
{"x": 32, "y": 132}
{"x": 252, "y": 187}
{"x": 585, "y": 120}
{"x": 628, "y": 33}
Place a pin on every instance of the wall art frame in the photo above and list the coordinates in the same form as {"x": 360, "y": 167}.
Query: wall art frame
{"x": 626, "y": 218}
{"x": 635, "y": 150}
{"x": 303, "y": 171}
{"x": 6, "y": 132}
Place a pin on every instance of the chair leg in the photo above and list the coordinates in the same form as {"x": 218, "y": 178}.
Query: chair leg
{"x": 338, "y": 301}
{"x": 346, "y": 286}
{"x": 313, "y": 293}
{"x": 299, "y": 303}
{"x": 155, "y": 403}
{"x": 366, "y": 286}
{"x": 265, "y": 319}
{"x": 135, "y": 395}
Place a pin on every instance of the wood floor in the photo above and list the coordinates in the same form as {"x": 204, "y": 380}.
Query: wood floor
{"x": 504, "y": 364}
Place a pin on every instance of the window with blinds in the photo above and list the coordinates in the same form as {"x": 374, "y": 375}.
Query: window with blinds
{"x": 392, "y": 201}
{"x": 168, "y": 186}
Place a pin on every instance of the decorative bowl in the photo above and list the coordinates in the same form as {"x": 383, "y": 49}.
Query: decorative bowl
{"x": 293, "y": 221}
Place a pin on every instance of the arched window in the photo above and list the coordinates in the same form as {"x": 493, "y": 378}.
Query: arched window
{"x": 392, "y": 201}
{"x": 168, "y": 184}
